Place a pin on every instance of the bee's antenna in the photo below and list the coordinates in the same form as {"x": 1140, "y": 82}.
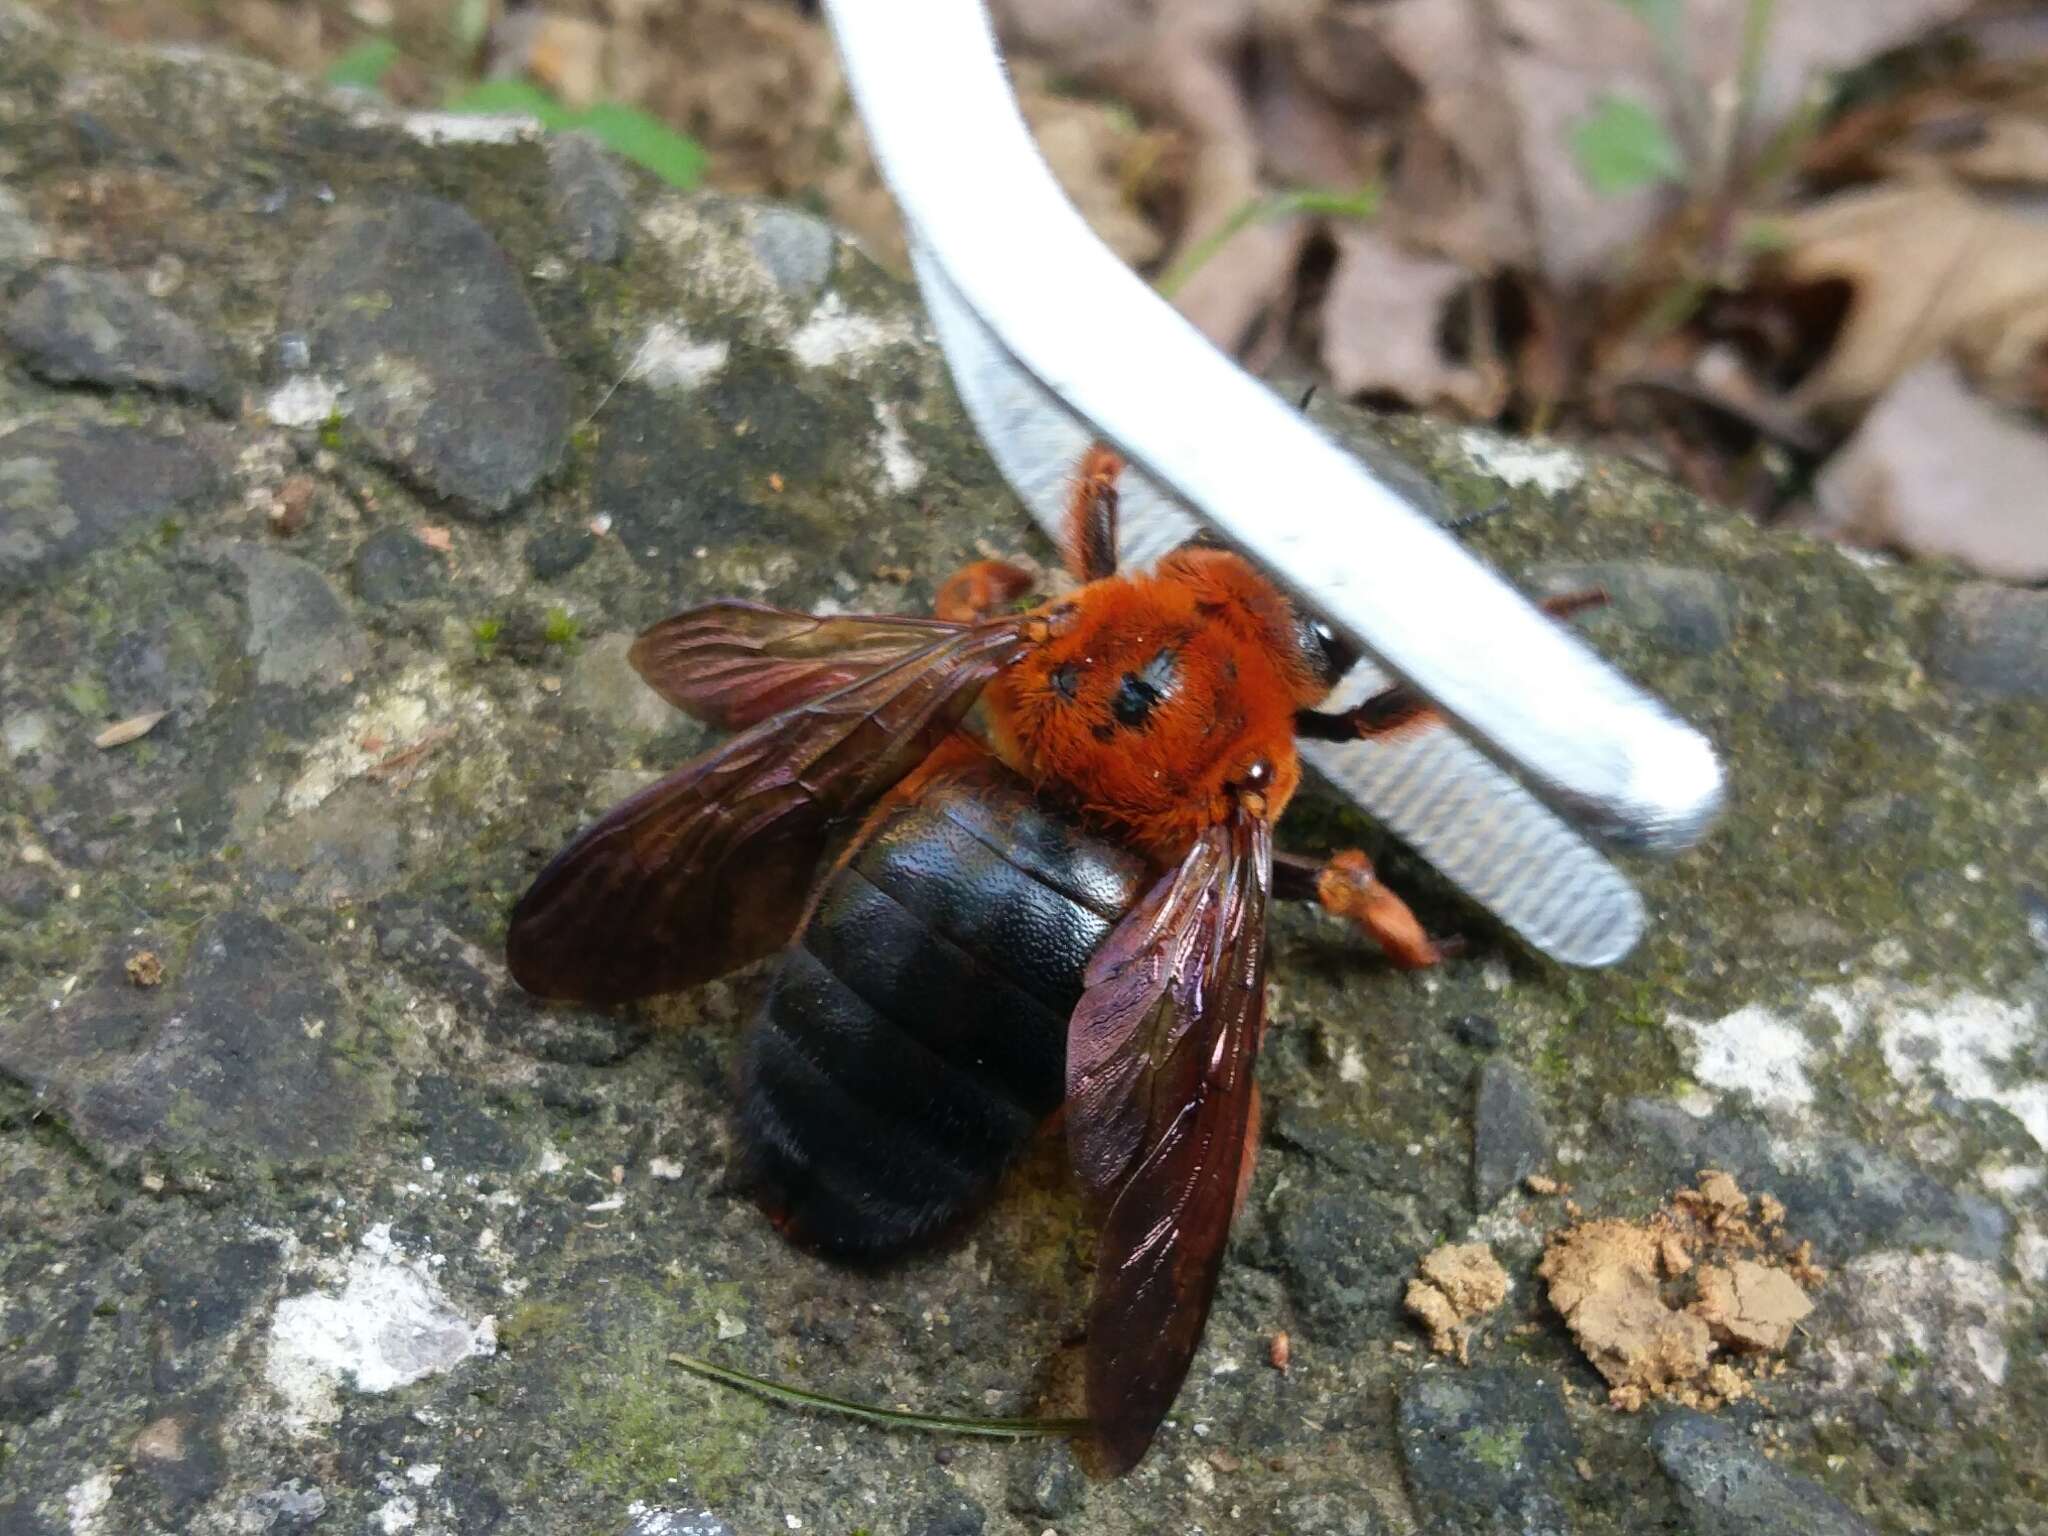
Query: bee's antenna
{"x": 1306, "y": 396}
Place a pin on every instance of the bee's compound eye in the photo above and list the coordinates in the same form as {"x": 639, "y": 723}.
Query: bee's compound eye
{"x": 1328, "y": 654}
{"x": 1257, "y": 776}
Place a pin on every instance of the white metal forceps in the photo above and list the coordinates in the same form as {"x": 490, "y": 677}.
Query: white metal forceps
{"x": 1055, "y": 344}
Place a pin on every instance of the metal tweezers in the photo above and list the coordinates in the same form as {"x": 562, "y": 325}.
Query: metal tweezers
{"x": 1054, "y": 344}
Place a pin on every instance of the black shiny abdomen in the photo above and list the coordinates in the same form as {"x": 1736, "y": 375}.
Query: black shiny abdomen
{"x": 915, "y": 1035}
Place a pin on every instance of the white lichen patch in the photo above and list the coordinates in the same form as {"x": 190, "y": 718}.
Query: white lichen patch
{"x": 1962, "y": 1045}
{"x": 1523, "y": 466}
{"x": 1936, "y": 1319}
{"x": 834, "y": 335}
{"x": 1756, "y": 1050}
{"x": 2030, "y": 1254}
{"x": 303, "y": 400}
{"x": 85, "y": 1504}
{"x": 403, "y": 715}
{"x": 471, "y": 127}
{"x": 1970, "y": 1046}
{"x": 667, "y": 357}
{"x": 381, "y": 1324}
{"x": 900, "y": 467}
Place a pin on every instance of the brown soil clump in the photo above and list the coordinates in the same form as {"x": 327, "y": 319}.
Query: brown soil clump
{"x": 1459, "y": 1285}
{"x": 1673, "y": 1307}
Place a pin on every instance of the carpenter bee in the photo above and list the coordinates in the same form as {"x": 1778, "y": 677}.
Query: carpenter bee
{"x": 1015, "y": 863}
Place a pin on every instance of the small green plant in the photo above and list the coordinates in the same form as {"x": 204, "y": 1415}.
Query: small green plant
{"x": 365, "y": 65}
{"x": 485, "y": 633}
{"x": 1623, "y": 147}
{"x": 627, "y": 131}
{"x": 560, "y": 629}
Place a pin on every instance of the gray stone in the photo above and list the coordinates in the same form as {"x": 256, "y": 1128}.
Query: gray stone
{"x": 68, "y": 488}
{"x": 413, "y": 306}
{"x": 553, "y": 553}
{"x": 949, "y": 1514}
{"x": 394, "y": 567}
{"x": 301, "y": 634}
{"x": 1687, "y": 612}
{"x": 1047, "y": 1481}
{"x": 1345, "y": 1252}
{"x": 82, "y": 325}
{"x": 1486, "y": 1451}
{"x": 1510, "y": 1139}
{"x": 1993, "y": 639}
{"x": 796, "y": 248}
{"x": 587, "y": 192}
{"x": 1730, "y": 1489}
{"x": 240, "y": 1058}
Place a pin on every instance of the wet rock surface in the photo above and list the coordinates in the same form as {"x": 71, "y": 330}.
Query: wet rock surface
{"x": 383, "y": 616}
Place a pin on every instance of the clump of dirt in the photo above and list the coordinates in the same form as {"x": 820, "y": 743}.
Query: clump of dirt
{"x": 1691, "y": 1305}
{"x": 1459, "y": 1285}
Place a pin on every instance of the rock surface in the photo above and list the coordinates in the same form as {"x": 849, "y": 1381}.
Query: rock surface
{"x": 384, "y": 614}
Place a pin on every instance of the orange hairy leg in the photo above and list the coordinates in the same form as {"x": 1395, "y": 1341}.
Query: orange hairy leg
{"x": 1091, "y": 514}
{"x": 1347, "y": 885}
{"x": 976, "y": 591}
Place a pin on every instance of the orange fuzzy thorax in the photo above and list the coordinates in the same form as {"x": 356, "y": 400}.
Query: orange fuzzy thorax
{"x": 1152, "y": 700}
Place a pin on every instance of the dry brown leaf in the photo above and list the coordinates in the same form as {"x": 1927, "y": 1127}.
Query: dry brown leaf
{"x": 1935, "y": 469}
{"x": 1383, "y": 326}
{"x": 134, "y": 728}
{"x": 1933, "y": 267}
{"x": 1506, "y": 82}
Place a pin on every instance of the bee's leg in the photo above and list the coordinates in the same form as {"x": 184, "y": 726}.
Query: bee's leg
{"x": 1091, "y": 514}
{"x": 1346, "y": 884}
{"x": 975, "y": 591}
{"x": 1400, "y": 707}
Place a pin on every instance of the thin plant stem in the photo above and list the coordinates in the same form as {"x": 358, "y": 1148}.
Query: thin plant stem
{"x": 994, "y": 1429}
{"x": 1362, "y": 204}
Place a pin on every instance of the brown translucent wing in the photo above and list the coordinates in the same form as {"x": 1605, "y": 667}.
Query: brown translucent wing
{"x": 710, "y": 868}
{"x": 1159, "y": 1081}
{"x": 732, "y": 664}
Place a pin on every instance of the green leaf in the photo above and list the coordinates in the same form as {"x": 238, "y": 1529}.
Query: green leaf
{"x": 676, "y": 158}
{"x": 507, "y": 97}
{"x": 1624, "y": 147}
{"x": 628, "y": 132}
{"x": 1663, "y": 16}
{"x": 365, "y": 65}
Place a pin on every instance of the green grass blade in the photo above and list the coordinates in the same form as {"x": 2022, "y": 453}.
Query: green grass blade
{"x": 995, "y": 1429}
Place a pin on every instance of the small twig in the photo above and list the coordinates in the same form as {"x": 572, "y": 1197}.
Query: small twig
{"x": 400, "y": 768}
